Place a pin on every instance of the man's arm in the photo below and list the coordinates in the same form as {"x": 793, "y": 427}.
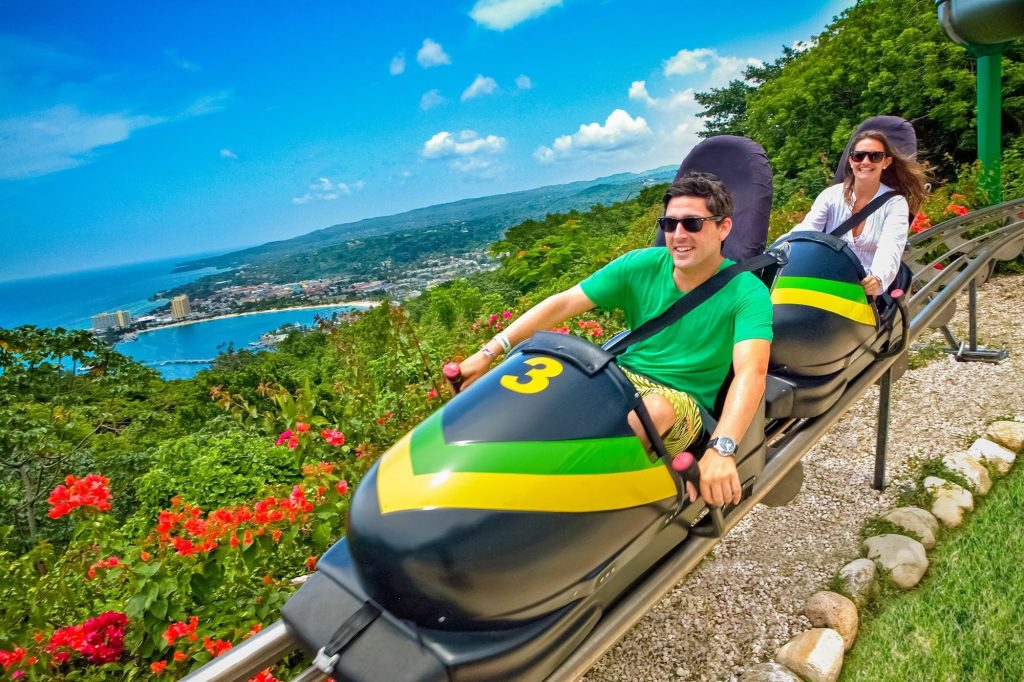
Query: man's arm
{"x": 719, "y": 479}
{"x": 549, "y": 313}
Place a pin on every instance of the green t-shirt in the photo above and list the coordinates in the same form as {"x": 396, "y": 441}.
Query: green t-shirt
{"x": 692, "y": 354}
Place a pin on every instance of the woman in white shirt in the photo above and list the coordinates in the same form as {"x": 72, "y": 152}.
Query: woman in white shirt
{"x": 875, "y": 167}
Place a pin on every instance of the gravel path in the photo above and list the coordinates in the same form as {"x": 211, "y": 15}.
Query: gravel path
{"x": 746, "y": 599}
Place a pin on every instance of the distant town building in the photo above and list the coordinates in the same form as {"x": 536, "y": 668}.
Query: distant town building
{"x": 104, "y": 321}
{"x": 121, "y": 318}
{"x": 180, "y": 307}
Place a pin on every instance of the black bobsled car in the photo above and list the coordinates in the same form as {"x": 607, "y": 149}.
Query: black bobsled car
{"x": 488, "y": 542}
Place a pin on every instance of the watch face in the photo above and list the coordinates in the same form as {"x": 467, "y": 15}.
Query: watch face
{"x": 723, "y": 444}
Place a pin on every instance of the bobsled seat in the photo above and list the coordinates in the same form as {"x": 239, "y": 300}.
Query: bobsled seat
{"x": 742, "y": 165}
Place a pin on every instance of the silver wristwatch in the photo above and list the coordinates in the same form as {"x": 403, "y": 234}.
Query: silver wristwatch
{"x": 725, "y": 446}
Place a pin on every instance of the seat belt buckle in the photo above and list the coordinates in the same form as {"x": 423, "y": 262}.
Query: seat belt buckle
{"x": 325, "y": 663}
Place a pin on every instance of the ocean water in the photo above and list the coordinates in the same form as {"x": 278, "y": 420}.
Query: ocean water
{"x": 205, "y": 340}
{"x": 70, "y": 300}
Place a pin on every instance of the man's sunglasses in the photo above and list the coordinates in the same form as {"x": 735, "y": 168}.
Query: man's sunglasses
{"x": 690, "y": 223}
{"x": 859, "y": 155}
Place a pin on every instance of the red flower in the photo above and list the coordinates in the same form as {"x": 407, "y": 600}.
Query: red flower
{"x": 109, "y": 562}
{"x": 333, "y": 438}
{"x": 920, "y": 224}
{"x": 157, "y": 667}
{"x": 180, "y": 656}
{"x": 264, "y": 676}
{"x": 341, "y": 486}
{"x": 957, "y": 209}
{"x": 301, "y": 427}
{"x": 311, "y": 564}
{"x": 216, "y": 646}
{"x": 493, "y": 319}
{"x": 12, "y": 658}
{"x": 181, "y": 629}
{"x": 99, "y": 639}
{"x": 253, "y": 630}
{"x": 283, "y": 438}
{"x": 432, "y": 394}
{"x": 506, "y": 315}
{"x": 89, "y": 491}
{"x": 144, "y": 555}
{"x": 267, "y": 579}
{"x": 560, "y": 330}
{"x": 276, "y": 535}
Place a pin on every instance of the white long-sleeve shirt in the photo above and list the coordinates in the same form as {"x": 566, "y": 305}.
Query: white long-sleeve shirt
{"x": 880, "y": 246}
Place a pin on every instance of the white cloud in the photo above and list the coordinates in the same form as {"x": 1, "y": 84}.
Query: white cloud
{"x": 523, "y": 82}
{"x": 721, "y": 69}
{"x": 444, "y": 145}
{"x": 185, "y": 65}
{"x": 481, "y": 85}
{"x": 432, "y": 54}
{"x": 638, "y": 93}
{"x": 228, "y": 154}
{"x": 397, "y": 65}
{"x": 620, "y": 131}
{"x": 324, "y": 189}
{"x": 501, "y": 15}
{"x": 689, "y": 61}
{"x": 431, "y": 99}
{"x": 60, "y": 138}
{"x": 467, "y": 152}
{"x": 207, "y": 104}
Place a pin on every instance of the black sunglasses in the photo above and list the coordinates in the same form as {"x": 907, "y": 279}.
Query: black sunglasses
{"x": 692, "y": 224}
{"x": 859, "y": 155}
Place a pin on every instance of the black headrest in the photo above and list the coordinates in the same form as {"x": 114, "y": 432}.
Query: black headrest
{"x": 743, "y": 166}
{"x": 899, "y": 131}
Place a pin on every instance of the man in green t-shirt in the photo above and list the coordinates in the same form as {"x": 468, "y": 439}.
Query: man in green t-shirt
{"x": 686, "y": 363}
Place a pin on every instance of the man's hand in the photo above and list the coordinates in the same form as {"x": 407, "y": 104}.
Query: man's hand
{"x": 719, "y": 480}
{"x": 474, "y": 367}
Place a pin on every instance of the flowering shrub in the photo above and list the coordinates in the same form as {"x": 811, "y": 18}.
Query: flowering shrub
{"x": 99, "y": 639}
{"x": 89, "y": 491}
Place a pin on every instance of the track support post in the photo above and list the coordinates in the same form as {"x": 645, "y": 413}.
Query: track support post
{"x": 971, "y": 352}
{"x": 882, "y": 431}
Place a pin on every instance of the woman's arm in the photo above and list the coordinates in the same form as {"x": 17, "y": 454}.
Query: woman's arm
{"x": 891, "y": 241}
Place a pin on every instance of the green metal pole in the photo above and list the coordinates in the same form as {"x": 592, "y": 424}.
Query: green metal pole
{"x": 990, "y": 91}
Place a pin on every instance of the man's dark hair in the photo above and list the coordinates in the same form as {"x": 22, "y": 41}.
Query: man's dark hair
{"x": 704, "y": 185}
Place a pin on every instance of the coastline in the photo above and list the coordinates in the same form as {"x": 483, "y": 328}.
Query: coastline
{"x": 353, "y": 304}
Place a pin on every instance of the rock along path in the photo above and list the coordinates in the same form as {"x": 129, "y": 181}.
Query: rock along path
{"x": 746, "y": 599}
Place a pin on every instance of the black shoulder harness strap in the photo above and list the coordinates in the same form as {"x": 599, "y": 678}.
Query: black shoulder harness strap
{"x": 693, "y": 299}
{"x": 861, "y": 215}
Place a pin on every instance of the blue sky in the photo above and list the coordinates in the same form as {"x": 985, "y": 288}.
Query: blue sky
{"x": 134, "y": 131}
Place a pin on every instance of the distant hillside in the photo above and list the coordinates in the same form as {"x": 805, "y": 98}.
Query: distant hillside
{"x": 487, "y": 217}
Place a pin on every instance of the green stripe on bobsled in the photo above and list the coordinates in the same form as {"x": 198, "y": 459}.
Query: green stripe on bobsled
{"x": 431, "y": 454}
{"x": 851, "y": 292}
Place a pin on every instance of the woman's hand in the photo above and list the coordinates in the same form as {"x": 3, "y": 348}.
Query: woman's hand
{"x": 872, "y": 285}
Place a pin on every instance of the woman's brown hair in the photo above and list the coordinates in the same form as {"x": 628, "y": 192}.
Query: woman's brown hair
{"x": 905, "y": 175}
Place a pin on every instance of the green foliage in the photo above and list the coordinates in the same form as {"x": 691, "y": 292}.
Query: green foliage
{"x": 877, "y": 57}
{"x": 216, "y": 467}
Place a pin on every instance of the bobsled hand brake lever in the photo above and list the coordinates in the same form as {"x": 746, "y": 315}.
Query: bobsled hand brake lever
{"x": 453, "y": 374}
{"x": 686, "y": 464}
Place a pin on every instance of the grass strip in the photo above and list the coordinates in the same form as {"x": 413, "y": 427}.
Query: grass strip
{"x": 965, "y": 622}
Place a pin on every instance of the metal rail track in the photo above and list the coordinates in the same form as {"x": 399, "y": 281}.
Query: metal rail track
{"x": 953, "y": 256}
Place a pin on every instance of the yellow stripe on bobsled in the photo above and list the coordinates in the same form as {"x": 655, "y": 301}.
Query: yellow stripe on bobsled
{"x": 399, "y": 489}
{"x": 858, "y": 312}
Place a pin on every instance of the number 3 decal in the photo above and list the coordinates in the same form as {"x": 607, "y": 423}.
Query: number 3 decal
{"x": 537, "y": 379}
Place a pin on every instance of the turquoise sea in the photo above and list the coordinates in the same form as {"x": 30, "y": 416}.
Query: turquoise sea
{"x": 204, "y": 340}
{"x": 70, "y": 300}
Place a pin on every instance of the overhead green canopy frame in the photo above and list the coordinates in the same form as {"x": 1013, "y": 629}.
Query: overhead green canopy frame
{"x": 985, "y": 28}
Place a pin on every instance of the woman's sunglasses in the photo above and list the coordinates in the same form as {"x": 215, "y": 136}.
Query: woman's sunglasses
{"x": 859, "y": 155}
{"x": 692, "y": 224}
